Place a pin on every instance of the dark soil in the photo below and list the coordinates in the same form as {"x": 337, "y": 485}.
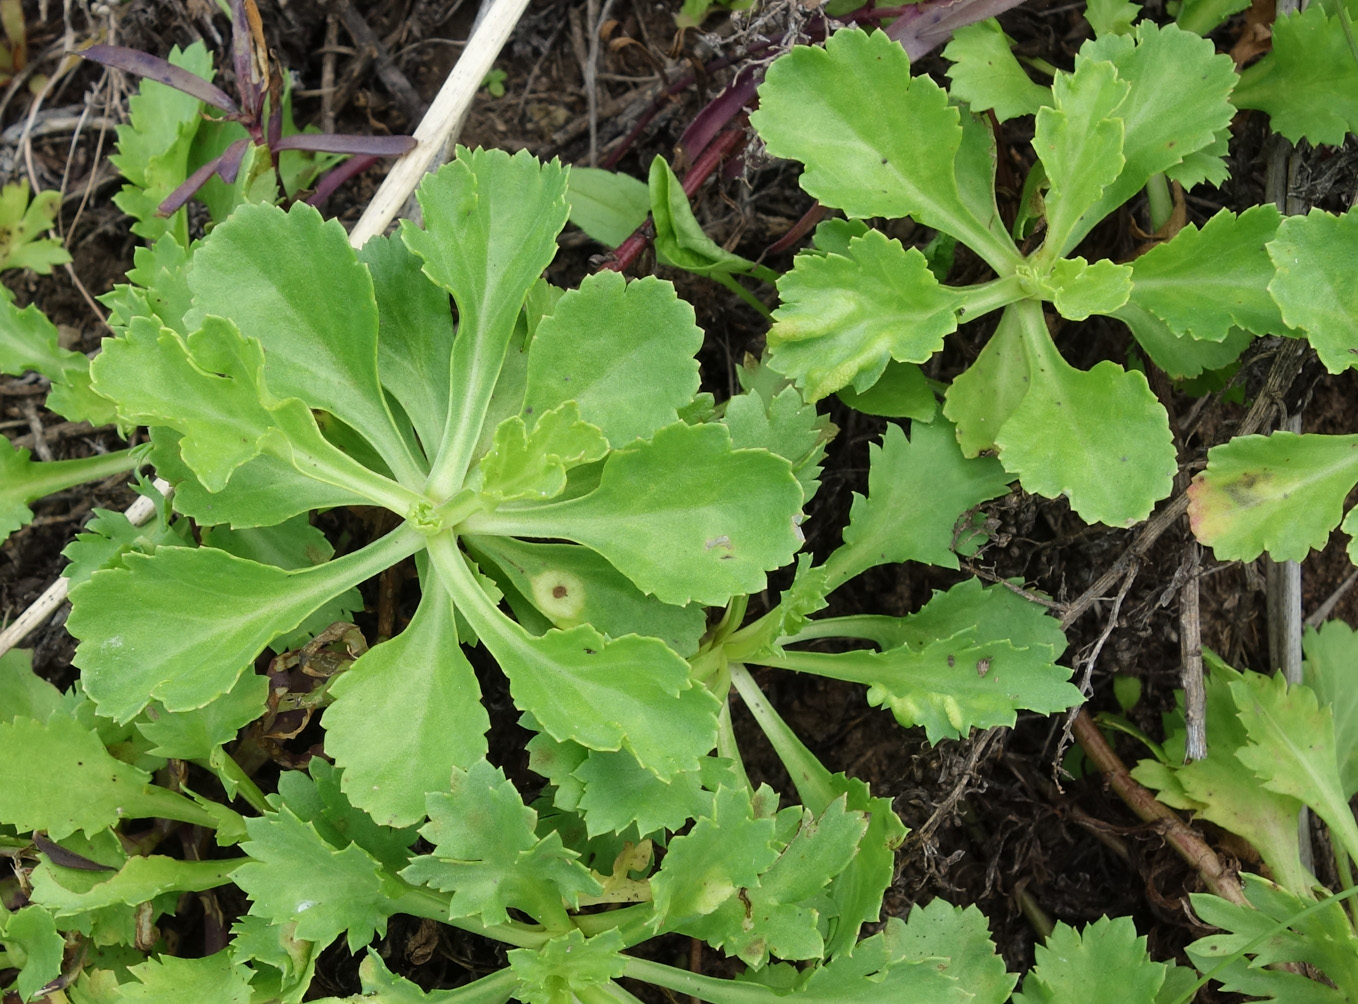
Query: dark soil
{"x": 996, "y": 820}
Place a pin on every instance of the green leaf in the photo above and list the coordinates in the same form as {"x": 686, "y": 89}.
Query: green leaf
{"x": 292, "y": 282}
{"x": 1282, "y": 494}
{"x": 202, "y": 617}
{"x": 780, "y": 916}
{"x": 21, "y": 227}
{"x": 566, "y": 966}
{"x": 1331, "y": 653}
{"x": 1114, "y": 17}
{"x": 721, "y": 854}
{"x": 28, "y": 341}
{"x": 1180, "y": 357}
{"x": 630, "y": 376}
{"x": 95, "y": 790}
{"x": 960, "y": 935}
{"x": 317, "y": 797}
{"x": 24, "y": 694}
{"x": 1292, "y": 750}
{"x": 491, "y": 222}
{"x": 619, "y": 792}
{"x": 1308, "y": 83}
{"x": 415, "y": 335}
{"x": 524, "y": 466}
{"x": 1216, "y": 789}
{"x": 771, "y": 415}
{"x": 872, "y": 158}
{"x": 980, "y": 400}
{"x": 1314, "y": 285}
{"x": 1105, "y": 961}
{"x": 1078, "y": 289}
{"x": 607, "y": 205}
{"x": 1079, "y": 139}
{"x": 902, "y": 391}
{"x": 487, "y": 853}
{"x": 918, "y": 489}
{"x": 986, "y": 75}
{"x": 109, "y": 535}
{"x": 679, "y": 237}
{"x": 885, "y": 969}
{"x": 405, "y": 714}
{"x": 1202, "y": 283}
{"x": 194, "y": 735}
{"x": 138, "y": 881}
{"x": 295, "y": 876}
{"x": 22, "y": 481}
{"x": 1175, "y": 113}
{"x": 1323, "y": 939}
{"x": 1099, "y": 437}
{"x": 843, "y": 318}
{"x": 217, "y": 979}
{"x": 34, "y": 946}
{"x": 683, "y": 515}
{"x": 563, "y": 677}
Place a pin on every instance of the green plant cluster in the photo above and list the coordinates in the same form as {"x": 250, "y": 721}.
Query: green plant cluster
{"x": 587, "y": 528}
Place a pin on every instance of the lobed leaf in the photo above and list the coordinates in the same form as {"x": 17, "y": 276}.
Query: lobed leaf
{"x": 1331, "y": 657}
{"x": 1078, "y": 289}
{"x": 619, "y": 792}
{"x": 630, "y": 376}
{"x": 918, "y": 489}
{"x": 33, "y": 946}
{"x": 195, "y": 735}
{"x": 1282, "y": 494}
{"x": 216, "y": 979}
{"x": 870, "y": 158}
{"x": 524, "y": 466}
{"x": 1314, "y": 284}
{"x": 771, "y": 415}
{"x": 940, "y": 930}
{"x": 1105, "y": 961}
{"x": 405, "y": 715}
{"x": 566, "y": 966}
{"x": 28, "y": 341}
{"x": 1099, "y": 437}
{"x": 683, "y": 515}
{"x": 844, "y": 317}
{"x": 1180, "y": 358}
{"x": 986, "y": 74}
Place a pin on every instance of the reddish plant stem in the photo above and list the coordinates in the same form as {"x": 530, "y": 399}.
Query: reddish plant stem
{"x": 708, "y": 161}
{"x": 1182, "y": 837}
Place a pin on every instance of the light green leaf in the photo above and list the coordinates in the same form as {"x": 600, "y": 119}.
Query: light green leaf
{"x": 95, "y": 790}
{"x": 1079, "y": 140}
{"x": 629, "y": 376}
{"x": 23, "y": 481}
{"x": 524, "y": 466}
{"x": 1203, "y": 282}
{"x": 139, "y": 881}
{"x": 203, "y": 616}
{"x": 566, "y": 966}
{"x": 843, "y": 318}
{"x": 1292, "y": 750}
{"x": 24, "y": 694}
{"x": 405, "y": 714}
{"x": 986, "y": 75}
{"x": 917, "y": 491}
{"x": 217, "y": 979}
{"x": 607, "y": 205}
{"x": 1078, "y": 289}
{"x": 1282, "y": 494}
{"x": 889, "y": 159}
{"x": 109, "y": 535}
{"x": 960, "y": 935}
{"x": 1105, "y": 961}
{"x": 679, "y": 237}
{"x": 295, "y": 876}
{"x": 571, "y": 585}
{"x": 771, "y": 415}
{"x": 34, "y": 946}
{"x": 619, "y": 792}
{"x": 563, "y": 677}
{"x": 1180, "y": 357}
{"x": 721, "y": 854}
{"x": 1113, "y": 17}
{"x": 683, "y": 515}
{"x": 491, "y": 222}
{"x": 28, "y": 341}
{"x": 1315, "y": 284}
{"x": 1219, "y": 791}
{"x": 22, "y": 225}
{"x": 1178, "y": 105}
{"x": 415, "y": 335}
{"x": 1331, "y": 662}
{"x": 902, "y": 391}
{"x": 487, "y": 853}
{"x": 1308, "y": 83}
{"x": 194, "y": 735}
{"x": 316, "y": 797}
{"x": 1099, "y": 437}
{"x": 292, "y": 282}
{"x": 980, "y": 400}
{"x": 885, "y": 969}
